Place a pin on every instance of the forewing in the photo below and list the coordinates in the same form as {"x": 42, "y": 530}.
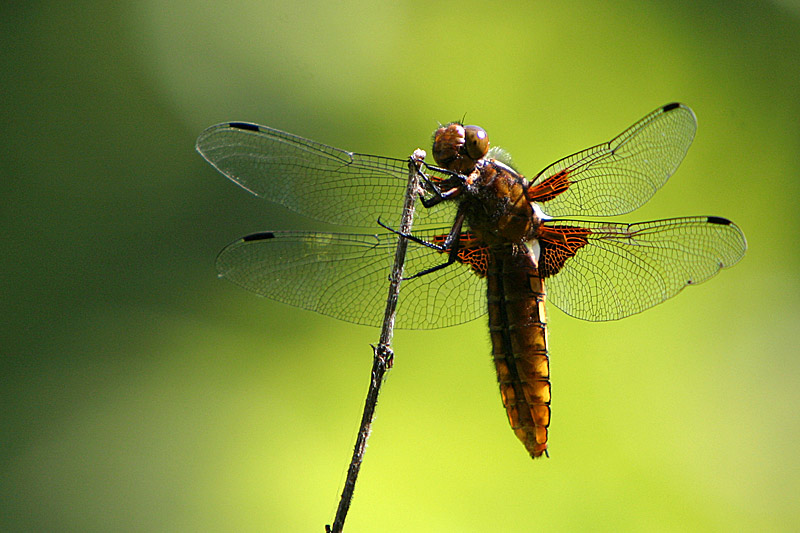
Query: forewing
{"x": 313, "y": 179}
{"x": 623, "y": 269}
{"x": 619, "y": 176}
{"x": 346, "y": 276}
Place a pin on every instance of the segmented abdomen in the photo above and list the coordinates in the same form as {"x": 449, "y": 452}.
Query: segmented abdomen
{"x": 517, "y": 324}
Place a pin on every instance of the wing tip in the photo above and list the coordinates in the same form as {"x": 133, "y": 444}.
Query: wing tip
{"x": 200, "y": 146}
{"x": 672, "y": 106}
{"x": 740, "y": 245}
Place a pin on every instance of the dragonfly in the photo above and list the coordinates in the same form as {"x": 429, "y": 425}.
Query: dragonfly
{"x": 487, "y": 239}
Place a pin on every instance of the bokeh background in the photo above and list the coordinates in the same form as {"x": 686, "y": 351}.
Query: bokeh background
{"x": 141, "y": 393}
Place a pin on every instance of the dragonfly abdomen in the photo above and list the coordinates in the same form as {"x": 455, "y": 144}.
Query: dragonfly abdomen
{"x": 517, "y": 324}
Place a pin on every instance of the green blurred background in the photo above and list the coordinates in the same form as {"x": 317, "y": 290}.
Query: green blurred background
{"x": 140, "y": 393}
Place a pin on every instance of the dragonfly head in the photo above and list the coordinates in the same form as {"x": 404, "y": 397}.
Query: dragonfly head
{"x": 458, "y": 148}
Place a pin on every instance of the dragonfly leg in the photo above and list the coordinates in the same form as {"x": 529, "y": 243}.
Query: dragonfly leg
{"x": 451, "y": 245}
{"x": 450, "y": 261}
{"x": 412, "y": 238}
{"x": 439, "y": 195}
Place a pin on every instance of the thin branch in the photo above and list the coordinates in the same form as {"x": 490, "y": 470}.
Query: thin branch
{"x": 382, "y": 353}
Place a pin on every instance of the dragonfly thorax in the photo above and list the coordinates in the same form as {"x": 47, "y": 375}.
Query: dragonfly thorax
{"x": 496, "y": 206}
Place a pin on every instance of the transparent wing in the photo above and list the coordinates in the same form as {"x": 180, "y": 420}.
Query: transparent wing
{"x": 618, "y": 176}
{"x": 346, "y": 276}
{"x": 314, "y": 179}
{"x": 615, "y": 270}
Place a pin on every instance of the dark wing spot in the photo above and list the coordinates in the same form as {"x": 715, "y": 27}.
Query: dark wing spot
{"x": 719, "y": 220}
{"x": 259, "y": 236}
{"x": 244, "y": 126}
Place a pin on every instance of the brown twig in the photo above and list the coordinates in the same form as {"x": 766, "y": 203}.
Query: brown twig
{"x": 382, "y": 353}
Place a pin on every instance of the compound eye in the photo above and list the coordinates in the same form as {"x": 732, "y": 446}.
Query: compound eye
{"x": 476, "y": 142}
